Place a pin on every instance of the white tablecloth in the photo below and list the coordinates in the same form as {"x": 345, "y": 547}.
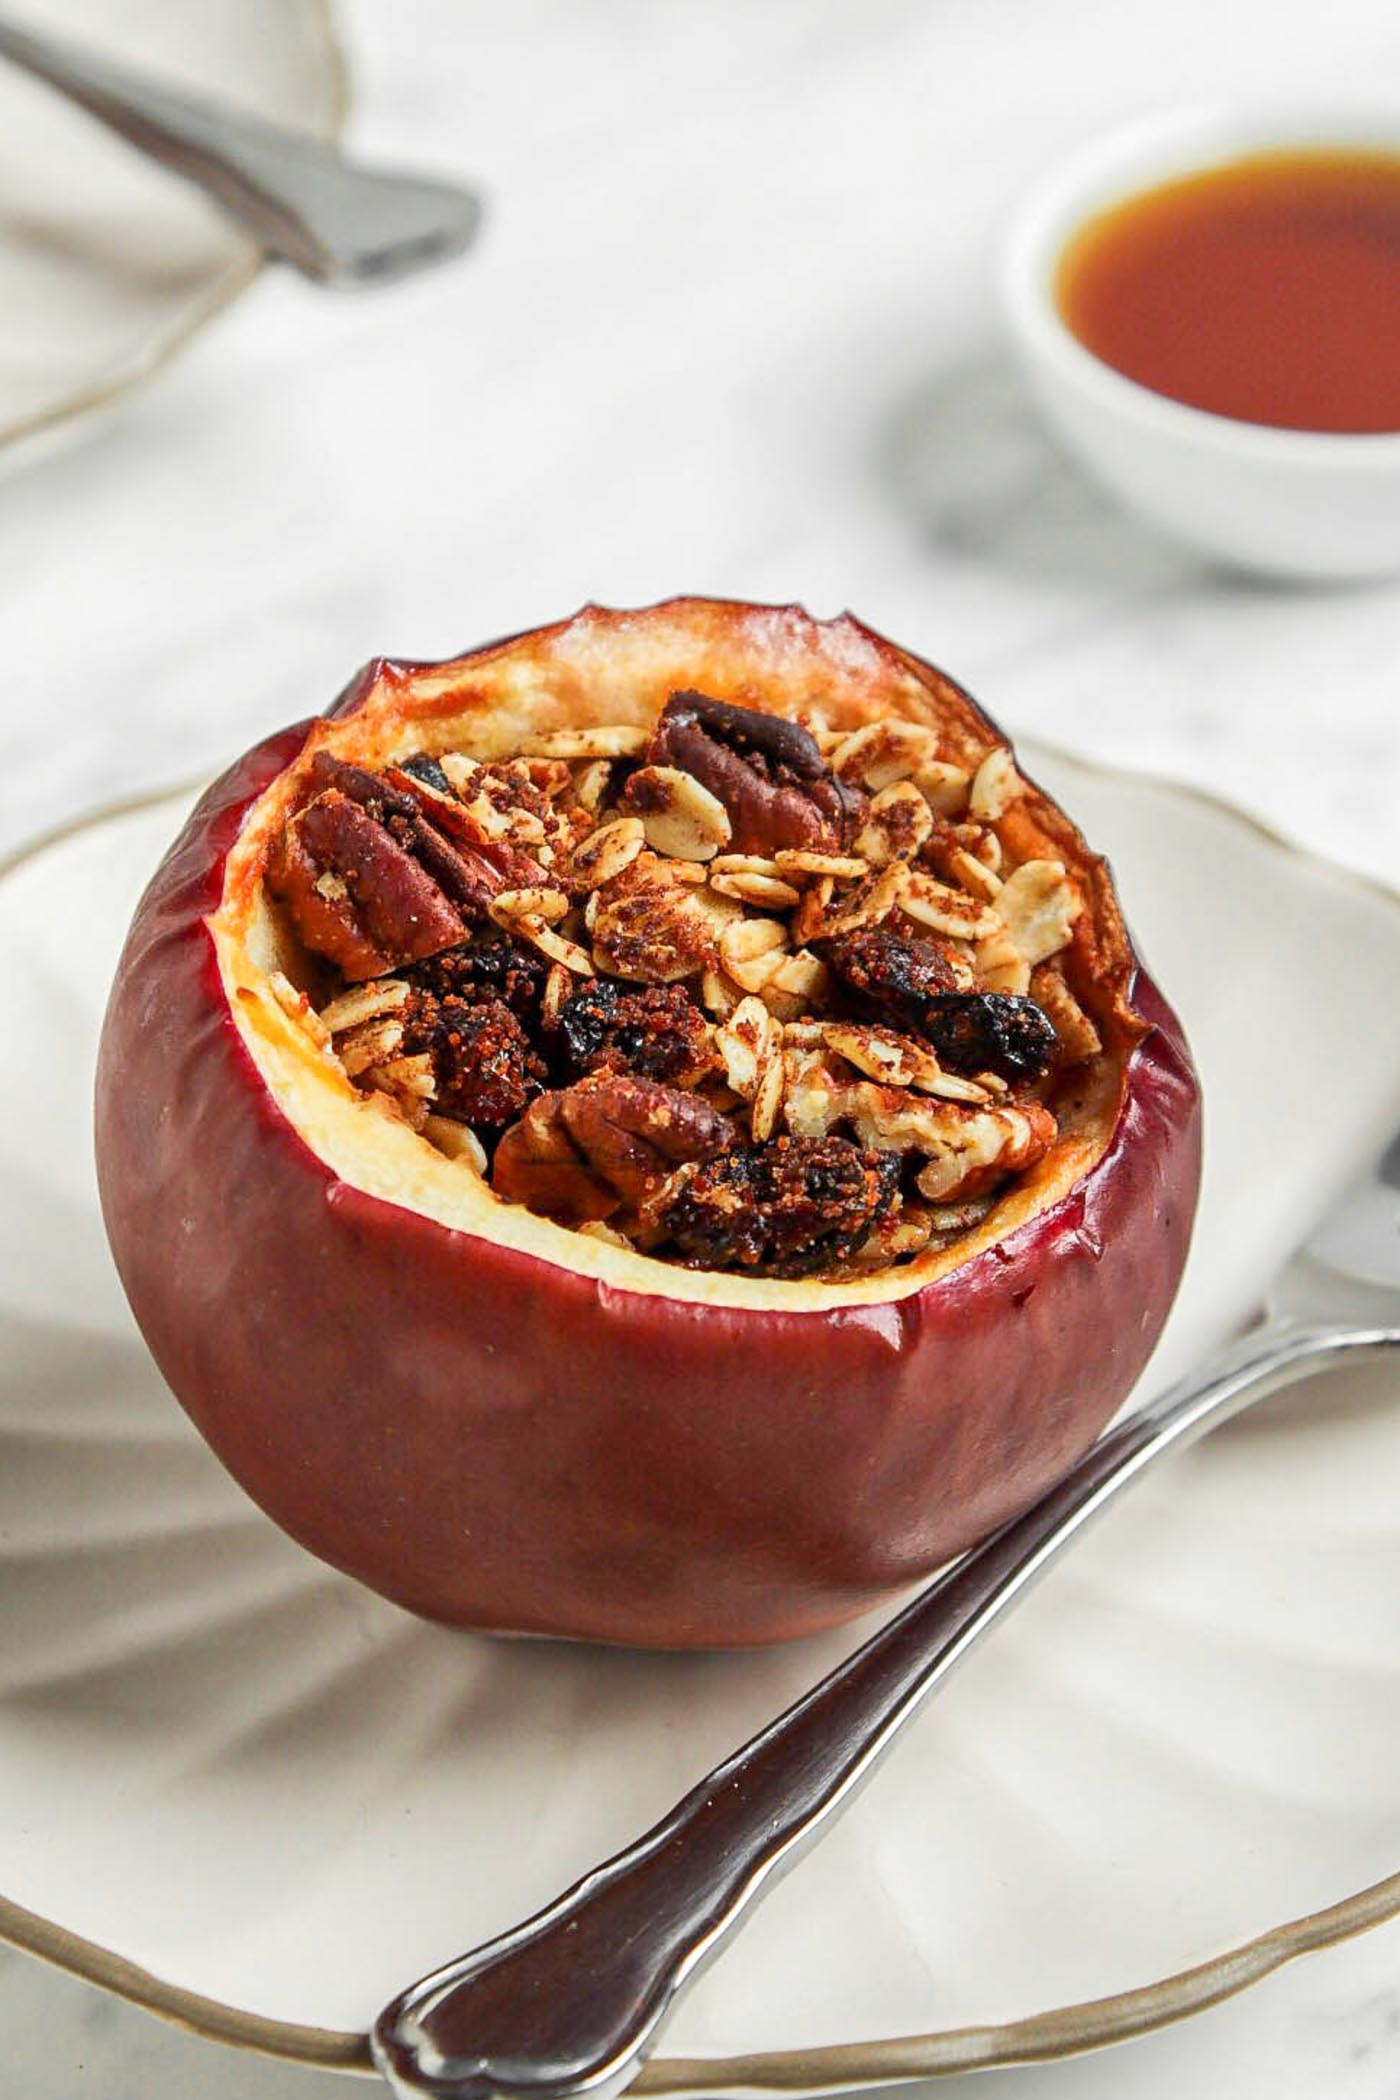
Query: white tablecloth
{"x": 732, "y": 329}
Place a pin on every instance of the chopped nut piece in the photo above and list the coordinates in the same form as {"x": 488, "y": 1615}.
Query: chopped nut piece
{"x": 381, "y": 909}
{"x": 752, "y": 949}
{"x": 1038, "y": 906}
{"x": 981, "y": 1147}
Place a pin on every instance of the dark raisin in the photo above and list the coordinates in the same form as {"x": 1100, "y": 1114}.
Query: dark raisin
{"x": 494, "y": 966}
{"x": 990, "y": 1032}
{"x": 485, "y": 1069}
{"x": 429, "y": 771}
{"x": 888, "y": 976}
{"x": 654, "y": 1031}
{"x": 784, "y": 1209}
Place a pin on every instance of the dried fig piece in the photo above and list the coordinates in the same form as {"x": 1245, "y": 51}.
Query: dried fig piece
{"x": 491, "y": 965}
{"x": 768, "y": 772}
{"x": 912, "y": 984}
{"x": 485, "y": 1069}
{"x": 655, "y": 1032}
{"x": 786, "y": 1209}
{"x": 990, "y": 1032}
{"x": 602, "y": 1146}
{"x": 887, "y": 976}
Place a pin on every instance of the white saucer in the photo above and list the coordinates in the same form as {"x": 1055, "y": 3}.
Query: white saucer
{"x": 244, "y": 1791}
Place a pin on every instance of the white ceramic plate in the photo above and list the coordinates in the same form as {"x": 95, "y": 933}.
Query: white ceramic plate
{"x": 240, "y": 1788}
{"x": 108, "y": 264}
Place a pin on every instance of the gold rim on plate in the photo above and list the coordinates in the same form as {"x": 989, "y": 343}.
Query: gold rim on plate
{"x": 1063, "y": 2031}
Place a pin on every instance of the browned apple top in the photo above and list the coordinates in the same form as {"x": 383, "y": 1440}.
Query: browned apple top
{"x": 736, "y": 992}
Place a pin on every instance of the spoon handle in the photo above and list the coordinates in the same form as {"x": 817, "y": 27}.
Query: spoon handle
{"x": 571, "y": 2001}
{"x": 299, "y": 198}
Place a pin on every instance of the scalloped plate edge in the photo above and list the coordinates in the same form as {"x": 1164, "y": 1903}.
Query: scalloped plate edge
{"x": 1062, "y": 2031}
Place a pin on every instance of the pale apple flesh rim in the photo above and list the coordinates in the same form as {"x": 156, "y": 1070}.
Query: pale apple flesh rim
{"x": 618, "y": 668}
{"x": 1063, "y": 2031}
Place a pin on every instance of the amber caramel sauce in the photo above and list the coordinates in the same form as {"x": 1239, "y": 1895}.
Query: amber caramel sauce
{"x": 1266, "y": 289}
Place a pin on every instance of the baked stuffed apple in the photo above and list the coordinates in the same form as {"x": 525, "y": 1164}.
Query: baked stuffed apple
{"x": 651, "y": 1131}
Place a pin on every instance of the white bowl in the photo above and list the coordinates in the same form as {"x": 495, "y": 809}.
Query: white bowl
{"x": 1300, "y": 503}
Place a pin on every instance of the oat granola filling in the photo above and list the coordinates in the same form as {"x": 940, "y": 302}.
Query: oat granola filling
{"x": 739, "y": 993}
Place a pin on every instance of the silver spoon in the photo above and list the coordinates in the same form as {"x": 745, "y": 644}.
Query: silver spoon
{"x": 299, "y": 198}
{"x": 571, "y": 2002}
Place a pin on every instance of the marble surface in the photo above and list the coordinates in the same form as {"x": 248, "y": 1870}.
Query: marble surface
{"x": 732, "y": 329}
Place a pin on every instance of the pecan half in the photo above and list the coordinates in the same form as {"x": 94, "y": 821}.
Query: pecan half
{"x": 371, "y": 878}
{"x": 783, "y": 1209}
{"x": 768, "y": 772}
{"x": 354, "y": 894}
{"x": 602, "y": 1146}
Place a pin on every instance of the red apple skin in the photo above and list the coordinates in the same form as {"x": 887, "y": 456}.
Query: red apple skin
{"x": 496, "y": 1442}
